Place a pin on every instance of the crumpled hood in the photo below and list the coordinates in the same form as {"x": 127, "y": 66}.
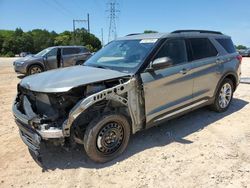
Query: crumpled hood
{"x": 62, "y": 80}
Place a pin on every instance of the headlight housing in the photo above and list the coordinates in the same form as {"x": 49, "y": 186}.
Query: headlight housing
{"x": 19, "y": 63}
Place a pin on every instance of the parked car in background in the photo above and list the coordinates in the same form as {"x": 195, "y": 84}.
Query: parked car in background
{"x": 241, "y": 51}
{"x": 47, "y": 59}
{"x": 245, "y": 53}
{"x": 24, "y": 54}
{"x": 131, "y": 84}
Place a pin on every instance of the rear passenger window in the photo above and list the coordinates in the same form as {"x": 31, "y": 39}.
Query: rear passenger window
{"x": 175, "y": 49}
{"x": 70, "y": 51}
{"x": 202, "y": 48}
{"x": 227, "y": 44}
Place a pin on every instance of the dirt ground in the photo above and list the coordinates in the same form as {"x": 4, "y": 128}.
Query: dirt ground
{"x": 200, "y": 149}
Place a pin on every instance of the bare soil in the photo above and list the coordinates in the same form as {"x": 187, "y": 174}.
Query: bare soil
{"x": 200, "y": 149}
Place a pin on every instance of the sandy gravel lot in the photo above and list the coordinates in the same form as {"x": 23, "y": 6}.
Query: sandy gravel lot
{"x": 201, "y": 149}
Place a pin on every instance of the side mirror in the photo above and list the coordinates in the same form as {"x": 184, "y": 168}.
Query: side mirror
{"x": 160, "y": 63}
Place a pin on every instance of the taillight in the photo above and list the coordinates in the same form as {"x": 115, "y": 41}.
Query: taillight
{"x": 239, "y": 57}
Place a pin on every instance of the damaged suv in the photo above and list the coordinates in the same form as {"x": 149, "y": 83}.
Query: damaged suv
{"x": 133, "y": 83}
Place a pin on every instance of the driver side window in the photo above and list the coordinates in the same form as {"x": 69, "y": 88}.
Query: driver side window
{"x": 175, "y": 49}
{"x": 52, "y": 52}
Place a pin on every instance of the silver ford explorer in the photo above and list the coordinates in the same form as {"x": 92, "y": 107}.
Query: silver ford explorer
{"x": 133, "y": 83}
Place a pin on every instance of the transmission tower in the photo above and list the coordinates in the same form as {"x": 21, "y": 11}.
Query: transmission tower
{"x": 112, "y": 19}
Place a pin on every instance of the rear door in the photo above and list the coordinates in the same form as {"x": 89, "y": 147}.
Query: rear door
{"x": 168, "y": 89}
{"x": 70, "y": 56}
{"x": 205, "y": 67}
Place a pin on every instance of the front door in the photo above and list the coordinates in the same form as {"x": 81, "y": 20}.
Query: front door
{"x": 168, "y": 89}
{"x": 51, "y": 61}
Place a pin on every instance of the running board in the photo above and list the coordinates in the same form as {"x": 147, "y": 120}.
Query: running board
{"x": 181, "y": 110}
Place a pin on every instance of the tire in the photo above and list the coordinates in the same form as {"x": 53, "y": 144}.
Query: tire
{"x": 107, "y": 137}
{"x": 224, "y": 93}
{"x": 34, "y": 69}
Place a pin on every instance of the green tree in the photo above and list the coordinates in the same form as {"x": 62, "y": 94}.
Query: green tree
{"x": 150, "y": 31}
{"x": 63, "y": 39}
{"x": 82, "y": 37}
{"x": 14, "y": 42}
{"x": 41, "y": 39}
{"x": 241, "y": 47}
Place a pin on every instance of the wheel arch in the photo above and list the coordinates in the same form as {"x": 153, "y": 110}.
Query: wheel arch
{"x": 36, "y": 63}
{"x": 98, "y": 109}
{"x": 115, "y": 98}
{"x": 232, "y": 76}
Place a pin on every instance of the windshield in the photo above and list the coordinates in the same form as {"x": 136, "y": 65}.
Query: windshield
{"x": 122, "y": 55}
{"x": 43, "y": 52}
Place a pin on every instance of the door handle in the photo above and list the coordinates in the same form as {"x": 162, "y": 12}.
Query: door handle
{"x": 184, "y": 71}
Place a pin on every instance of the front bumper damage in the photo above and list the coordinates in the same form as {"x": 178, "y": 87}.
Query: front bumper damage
{"x": 30, "y": 135}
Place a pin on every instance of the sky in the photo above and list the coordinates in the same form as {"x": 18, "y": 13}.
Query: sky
{"x": 228, "y": 16}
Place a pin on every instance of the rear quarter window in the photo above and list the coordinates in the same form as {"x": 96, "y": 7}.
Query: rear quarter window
{"x": 202, "y": 48}
{"x": 83, "y": 50}
{"x": 227, "y": 44}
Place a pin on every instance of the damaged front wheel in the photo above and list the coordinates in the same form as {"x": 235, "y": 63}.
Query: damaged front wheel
{"x": 107, "y": 137}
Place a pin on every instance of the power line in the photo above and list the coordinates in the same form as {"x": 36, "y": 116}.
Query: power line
{"x": 63, "y": 8}
{"x": 48, "y": 3}
{"x": 112, "y": 20}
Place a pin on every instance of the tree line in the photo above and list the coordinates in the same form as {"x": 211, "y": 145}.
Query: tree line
{"x": 17, "y": 41}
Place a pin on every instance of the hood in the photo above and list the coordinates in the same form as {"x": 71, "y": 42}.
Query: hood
{"x": 62, "y": 80}
{"x": 29, "y": 58}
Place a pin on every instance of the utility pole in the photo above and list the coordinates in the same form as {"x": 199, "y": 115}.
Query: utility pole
{"x": 112, "y": 20}
{"x": 74, "y": 31}
{"x": 88, "y": 22}
{"x": 102, "y": 37}
{"x": 80, "y": 21}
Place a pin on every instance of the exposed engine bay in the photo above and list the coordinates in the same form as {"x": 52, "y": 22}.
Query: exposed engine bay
{"x": 67, "y": 114}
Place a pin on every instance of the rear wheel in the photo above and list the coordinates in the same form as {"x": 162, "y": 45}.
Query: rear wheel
{"x": 223, "y": 97}
{"x": 106, "y": 137}
{"x": 34, "y": 69}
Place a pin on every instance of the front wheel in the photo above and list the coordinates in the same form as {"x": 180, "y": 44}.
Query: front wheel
{"x": 223, "y": 97}
{"x": 106, "y": 137}
{"x": 34, "y": 69}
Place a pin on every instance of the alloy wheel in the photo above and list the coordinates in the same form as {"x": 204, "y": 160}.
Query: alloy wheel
{"x": 225, "y": 95}
{"x": 35, "y": 70}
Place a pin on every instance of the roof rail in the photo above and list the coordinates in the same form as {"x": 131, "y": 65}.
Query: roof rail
{"x": 133, "y": 34}
{"x": 197, "y": 31}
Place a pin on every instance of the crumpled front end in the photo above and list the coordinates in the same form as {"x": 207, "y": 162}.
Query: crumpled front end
{"x": 36, "y": 118}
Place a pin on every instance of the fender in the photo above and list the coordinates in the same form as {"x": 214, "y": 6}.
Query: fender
{"x": 229, "y": 73}
{"x": 132, "y": 101}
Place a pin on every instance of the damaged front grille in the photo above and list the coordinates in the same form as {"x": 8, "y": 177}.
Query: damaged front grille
{"x": 51, "y": 109}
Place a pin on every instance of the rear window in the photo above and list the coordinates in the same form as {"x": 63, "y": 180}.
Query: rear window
{"x": 202, "y": 48}
{"x": 227, "y": 44}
